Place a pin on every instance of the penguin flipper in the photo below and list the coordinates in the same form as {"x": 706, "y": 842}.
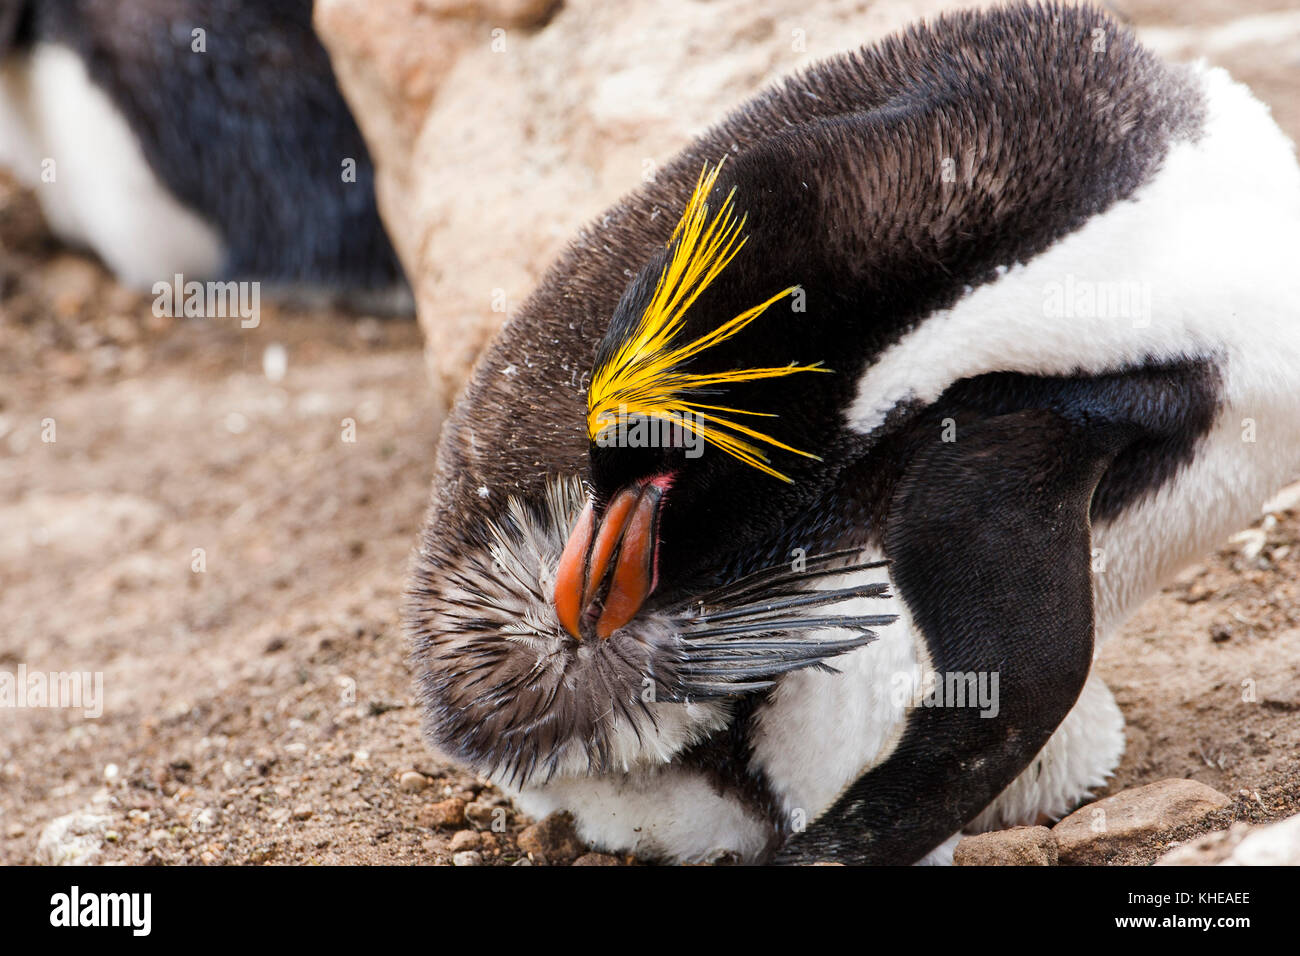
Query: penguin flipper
{"x": 990, "y": 545}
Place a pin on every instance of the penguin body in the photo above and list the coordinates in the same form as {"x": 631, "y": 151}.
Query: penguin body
{"x": 198, "y": 137}
{"x": 1015, "y": 307}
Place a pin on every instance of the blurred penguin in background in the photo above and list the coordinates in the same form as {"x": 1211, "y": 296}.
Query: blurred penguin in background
{"x": 201, "y": 137}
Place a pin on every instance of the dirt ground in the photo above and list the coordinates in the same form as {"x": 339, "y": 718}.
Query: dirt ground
{"x": 261, "y": 709}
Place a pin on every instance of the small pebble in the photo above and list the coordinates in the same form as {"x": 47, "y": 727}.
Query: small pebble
{"x": 204, "y": 820}
{"x": 482, "y": 815}
{"x": 275, "y": 361}
{"x": 446, "y": 813}
{"x": 553, "y": 839}
{"x": 468, "y": 858}
{"x": 412, "y": 781}
{"x": 466, "y": 840}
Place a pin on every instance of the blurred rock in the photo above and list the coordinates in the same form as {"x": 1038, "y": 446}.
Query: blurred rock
{"x": 75, "y": 839}
{"x": 412, "y": 781}
{"x": 463, "y": 840}
{"x": 498, "y": 127}
{"x": 1288, "y": 499}
{"x": 1276, "y": 844}
{"x": 482, "y": 815}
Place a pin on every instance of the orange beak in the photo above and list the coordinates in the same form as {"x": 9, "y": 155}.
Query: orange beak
{"x": 607, "y": 572}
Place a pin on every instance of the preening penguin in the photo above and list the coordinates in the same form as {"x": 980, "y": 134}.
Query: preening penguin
{"x": 201, "y": 137}
{"x": 949, "y": 344}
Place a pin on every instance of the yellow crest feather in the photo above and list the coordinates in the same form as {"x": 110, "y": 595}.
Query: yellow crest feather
{"x": 643, "y": 377}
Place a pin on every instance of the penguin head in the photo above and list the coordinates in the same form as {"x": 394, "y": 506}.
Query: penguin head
{"x": 693, "y": 409}
{"x": 606, "y": 626}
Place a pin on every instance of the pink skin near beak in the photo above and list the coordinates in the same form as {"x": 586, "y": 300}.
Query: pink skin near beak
{"x": 608, "y": 570}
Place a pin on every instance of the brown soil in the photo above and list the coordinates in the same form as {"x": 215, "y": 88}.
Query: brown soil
{"x": 272, "y": 688}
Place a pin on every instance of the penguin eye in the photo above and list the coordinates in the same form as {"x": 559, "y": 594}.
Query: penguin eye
{"x": 644, "y": 373}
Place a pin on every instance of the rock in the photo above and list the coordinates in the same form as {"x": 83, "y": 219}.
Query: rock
{"x": 302, "y": 812}
{"x": 68, "y": 366}
{"x": 1250, "y": 542}
{"x": 412, "y": 781}
{"x": 72, "y": 840}
{"x": 1019, "y": 846}
{"x": 446, "y": 813}
{"x": 465, "y": 840}
{"x": 498, "y": 127}
{"x": 71, "y": 281}
{"x": 483, "y": 815}
{"x": 468, "y": 858}
{"x": 1207, "y": 849}
{"x": 554, "y": 839}
{"x": 597, "y": 859}
{"x": 1275, "y": 844}
{"x": 1288, "y": 499}
{"x": 1093, "y": 833}
{"x": 204, "y": 819}
{"x": 263, "y": 853}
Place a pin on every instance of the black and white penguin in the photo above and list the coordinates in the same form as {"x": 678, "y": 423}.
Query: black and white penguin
{"x": 200, "y": 137}
{"x": 975, "y": 338}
